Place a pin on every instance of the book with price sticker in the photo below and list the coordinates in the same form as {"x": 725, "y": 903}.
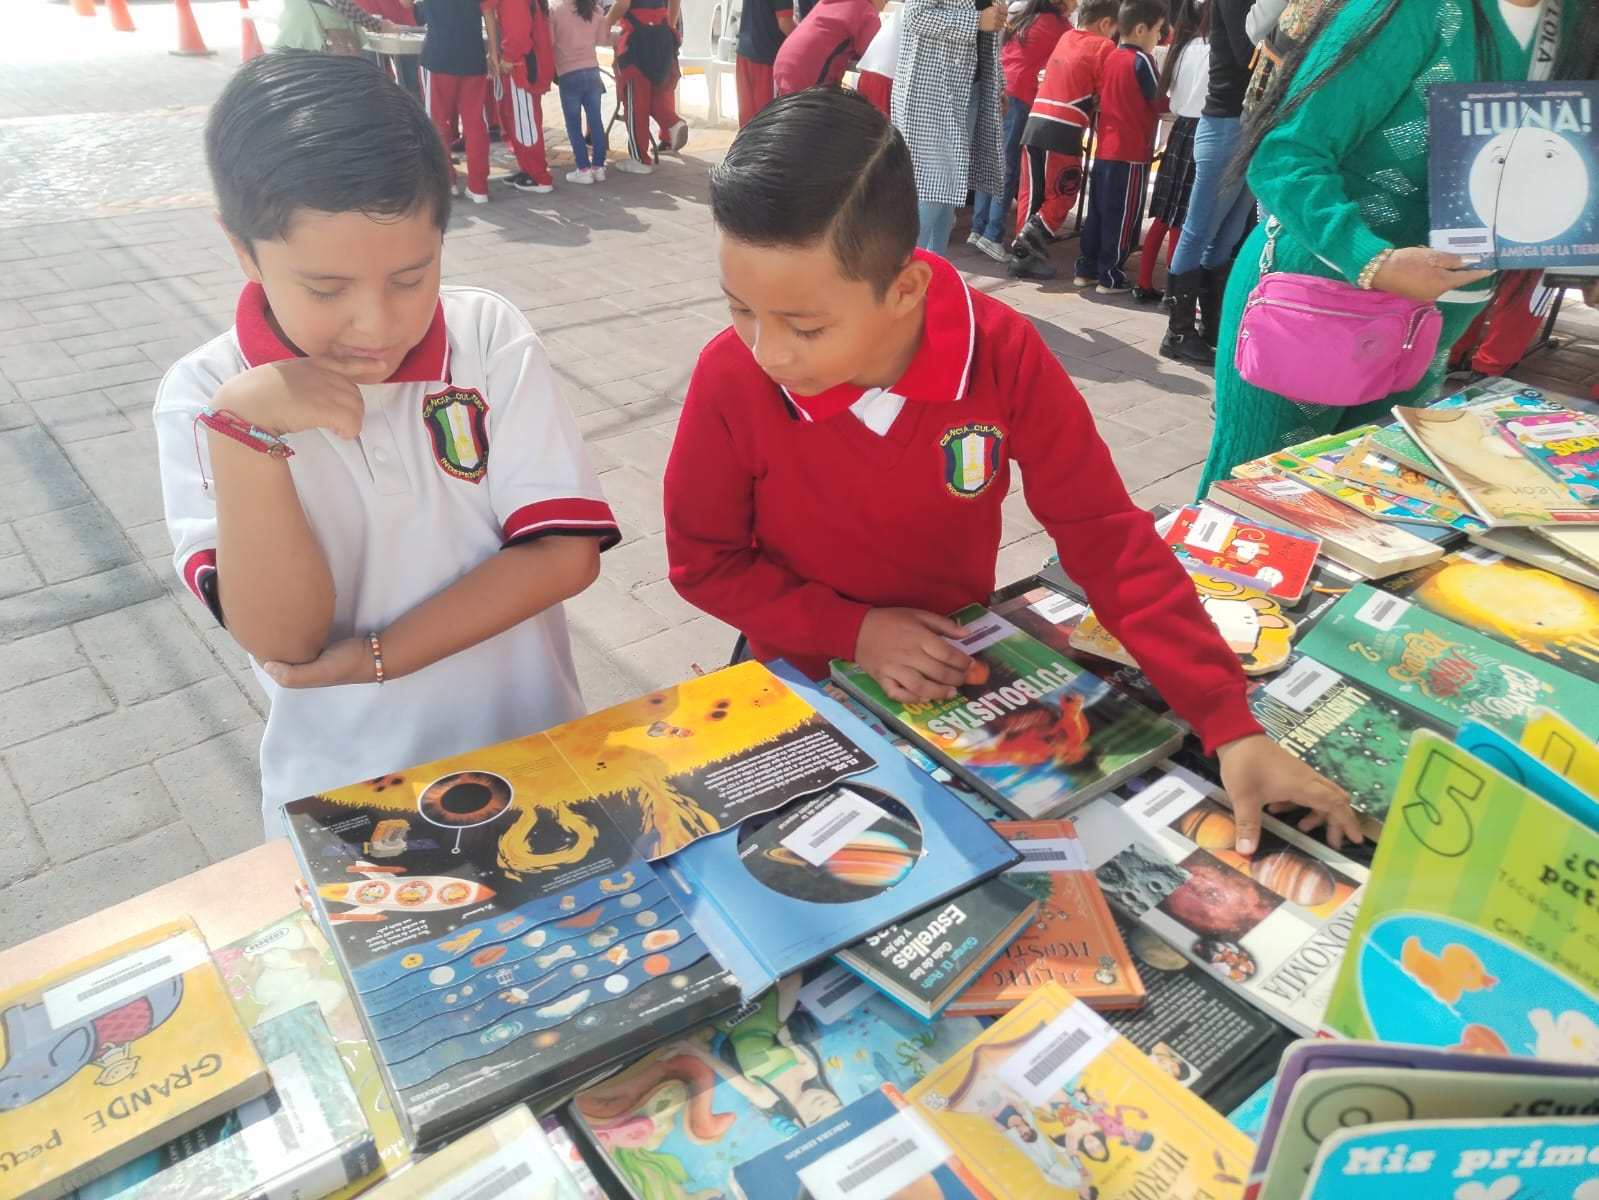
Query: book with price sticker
{"x": 1354, "y": 734}
{"x": 1273, "y": 925}
{"x": 674, "y": 1124}
{"x": 1368, "y": 463}
{"x": 1395, "y": 442}
{"x": 1542, "y": 548}
{"x": 1444, "y": 670}
{"x": 1479, "y": 924}
{"x": 1073, "y": 941}
{"x": 926, "y": 959}
{"x": 1348, "y": 536}
{"x": 1565, "y": 444}
{"x": 1029, "y": 729}
{"x": 1212, "y": 541}
{"x": 877, "y": 1148}
{"x": 113, "y": 1056}
{"x": 509, "y": 1158}
{"x": 1051, "y": 1102}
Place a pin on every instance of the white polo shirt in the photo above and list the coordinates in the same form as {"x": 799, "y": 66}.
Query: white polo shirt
{"x": 466, "y": 449}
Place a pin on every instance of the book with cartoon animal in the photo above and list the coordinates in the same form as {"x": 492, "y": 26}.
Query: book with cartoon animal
{"x": 1212, "y": 541}
{"x": 1051, "y": 1103}
{"x": 509, "y": 1157}
{"x": 1443, "y": 669}
{"x": 114, "y": 1055}
{"x": 1073, "y": 941}
{"x": 1375, "y": 502}
{"x": 1478, "y": 926}
{"x": 1537, "y": 547}
{"x": 878, "y": 1146}
{"x": 675, "y": 1124}
{"x": 287, "y": 964}
{"x": 305, "y": 1137}
{"x": 1368, "y": 464}
{"x": 1249, "y": 621}
{"x": 1272, "y": 926}
{"x": 1029, "y": 729}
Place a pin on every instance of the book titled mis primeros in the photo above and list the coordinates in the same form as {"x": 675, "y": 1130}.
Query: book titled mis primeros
{"x": 1442, "y": 669}
{"x": 114, "y": 1055}
{"x": 1029, "y": 729}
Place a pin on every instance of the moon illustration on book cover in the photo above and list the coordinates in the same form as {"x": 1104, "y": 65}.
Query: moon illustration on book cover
{"x": 1530, "y": 185}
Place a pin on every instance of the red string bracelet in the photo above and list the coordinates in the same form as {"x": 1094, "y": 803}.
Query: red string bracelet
{"x": 231, "y": 425}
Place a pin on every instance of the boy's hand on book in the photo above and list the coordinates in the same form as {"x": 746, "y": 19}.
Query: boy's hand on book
{"x": 346, "y": 661}
{"x": 905, "y": 651}
{"x": 293, "y": 396}
{"x": 1260, "y": 776}
{"x": 1420, "y": 274}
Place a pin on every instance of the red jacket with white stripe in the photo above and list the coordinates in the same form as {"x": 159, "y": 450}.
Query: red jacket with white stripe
{"x": 1068, "y": 93}
{"x": 527, "y": 43}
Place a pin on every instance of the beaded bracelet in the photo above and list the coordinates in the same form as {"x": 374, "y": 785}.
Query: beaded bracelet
{"x": 377, "y": 655}
{"x": 1368, "y": 273}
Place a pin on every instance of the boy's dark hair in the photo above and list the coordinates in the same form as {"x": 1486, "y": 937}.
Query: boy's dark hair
{"x": 1092, "y": 12}
{"x": 822, "y": 164}
{"x": 1134, "y": 13}
{"x": 328, "y": 132}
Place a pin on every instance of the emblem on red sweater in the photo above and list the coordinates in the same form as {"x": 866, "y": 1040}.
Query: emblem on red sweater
{"x": 971, "y": 457}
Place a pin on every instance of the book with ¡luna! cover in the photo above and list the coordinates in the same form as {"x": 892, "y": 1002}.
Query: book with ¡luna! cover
{"x": 1211, "y": 541}
{"x": 877, "y": 1148}
{"x": 1051, "y": 1102}
{"x": 1513, "y": 173}
{"x": 1274, "y": 926}
{"x": 305, "y": 1137}
{"x": 1073, "y": 941}
{"x": 1554, "y": 741}
{"x": 113, "y": 1055}
{"x": 1460, "y": 1160}
{"x": 288, "y": 964}
{"x": 1031, "y": 730}
{"x": 1565, "y": 444}
{"x": 1479, "y": 924}
{"x": 674, "y": 1124}
{"x": 510, "y": 1156}
{"x": 1445, "y": 670}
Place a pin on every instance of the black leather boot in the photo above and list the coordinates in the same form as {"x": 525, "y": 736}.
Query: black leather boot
{"x": 1212, "y": 288}
{"x": 1182, "y": 341}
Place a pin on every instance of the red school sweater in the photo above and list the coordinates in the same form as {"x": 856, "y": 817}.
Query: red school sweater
{"x": 791, "y": 529}
{"x": 1127, "y": 108}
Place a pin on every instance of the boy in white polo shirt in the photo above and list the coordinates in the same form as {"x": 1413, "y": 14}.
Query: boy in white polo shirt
{"x": 370, "y": 480}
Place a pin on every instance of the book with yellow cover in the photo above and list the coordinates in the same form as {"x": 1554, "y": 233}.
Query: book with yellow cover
{"x": 1251, "y": 622}
{"x": 113, "y": 1056}
{"x": 1051, "y": 1102}
{"x": 1562, "y": 747}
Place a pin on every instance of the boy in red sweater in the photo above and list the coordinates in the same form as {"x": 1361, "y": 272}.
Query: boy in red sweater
{"x": 1117, "y": 180}
{"x": 819, "y": 496}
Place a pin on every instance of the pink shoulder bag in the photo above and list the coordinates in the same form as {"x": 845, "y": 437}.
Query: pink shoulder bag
{"x": 1319, "y": 341}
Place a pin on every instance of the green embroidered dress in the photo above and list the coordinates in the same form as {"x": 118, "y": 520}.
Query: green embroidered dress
{"x": 1346, "y": 175}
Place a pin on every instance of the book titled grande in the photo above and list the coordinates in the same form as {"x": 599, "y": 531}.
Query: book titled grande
{"x": 1513, "y": 173}
{"x": 1029, "y": 729}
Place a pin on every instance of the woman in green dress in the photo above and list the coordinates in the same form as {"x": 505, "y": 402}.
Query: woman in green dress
{"x": 1341, "y": 162}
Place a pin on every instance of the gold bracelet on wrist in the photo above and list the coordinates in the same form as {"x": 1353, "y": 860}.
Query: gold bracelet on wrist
{"x": 1368, "y": 273}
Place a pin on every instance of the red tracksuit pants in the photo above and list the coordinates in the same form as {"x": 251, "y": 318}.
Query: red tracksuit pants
{"x": 1049, "y": 187}
{"x": 522, "y": 123}
{"x": 452, "y": 98}
{"x": 642, "y": 101}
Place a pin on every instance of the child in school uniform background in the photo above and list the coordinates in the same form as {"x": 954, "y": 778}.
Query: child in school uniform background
{"x": 821, "y": 47}
{"x": 762, "y": 27}
{"x": 455, "y": 84}
{"x": 526, "y": 70}
{"x": 646, "y": 79}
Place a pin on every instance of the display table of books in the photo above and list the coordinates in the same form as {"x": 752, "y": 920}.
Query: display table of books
{"x": 752, "y": 936}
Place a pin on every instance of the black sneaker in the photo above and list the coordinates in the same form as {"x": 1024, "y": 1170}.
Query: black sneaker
{"x": 1144, "y": 295}
{"x": 458, "y": 146}
{"x": 523, "y": 182}
{"x": 1030, "y": 266}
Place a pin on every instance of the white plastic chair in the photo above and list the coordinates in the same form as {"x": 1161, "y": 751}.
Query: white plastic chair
{"x": 704, "y": 49}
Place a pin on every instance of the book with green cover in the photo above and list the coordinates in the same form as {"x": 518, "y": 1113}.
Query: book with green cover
{"x": 1029, "y": 729}
{"x": 1479, "y": 922}
{"x": 1443, "y": 669}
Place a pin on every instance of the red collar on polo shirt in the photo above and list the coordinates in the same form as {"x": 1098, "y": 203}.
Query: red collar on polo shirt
{"x": 427, "y": 362}
{"x": 942, "y": 367}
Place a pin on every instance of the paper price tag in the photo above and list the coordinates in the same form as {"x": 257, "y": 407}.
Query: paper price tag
{"x": 834, "y": 994}
{"x": 832, "y": 827}
{"x": 293, "y": 1128}
{"x": 1480, "y": 555}
{"x": 982, "y": 633}
{"x": 1382, "y": 611}
{"x": 1283, "y": 489}
{"x": 1162, "y": 802}
{"x": 1211, "y": 530}
{"x": 507, "y": 1173}
{"x": 879, "y": 1163}
{"x": 1043, "y": 855}
{"x": 122, "y": 979}
{"x": 1556, "y": 431}
{"x": 1057, "y": 1053}
{"x": 1302, "y": 684}
{"x": 1056, "y": 609}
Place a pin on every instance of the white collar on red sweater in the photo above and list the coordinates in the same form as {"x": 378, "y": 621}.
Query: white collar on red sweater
{"x": 427, "y": 362}
{"x": 942, "y": 367}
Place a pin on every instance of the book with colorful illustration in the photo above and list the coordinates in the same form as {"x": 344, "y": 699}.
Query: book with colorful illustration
{"x": 925, "y": 960}
{"x": 113, "y": 1056}
{"x": 1051, "y": 1102}
{"x": 305, "y": 1137}
{"x": 510, "y": 1156}
{"x": 1073, "y": 941}
{"x": 1494, "y": 393}
{"x": 1565, "y": 444}
{"x": 1478, "y": 927}
{"x": 1368, "y": 463}
{"x": 1375, "y": 502}
{"x": 1539, "y": 547}
{"x": 877, "y": 1146}
{"x": 1443, "y": 669}
{"x": 1352, "y": 538}
{"x": 674, "y": 1124}
{"x": 1273, "y": 925}
{"x": 1031, "y": 730}
{"x": 1212, "y": 541}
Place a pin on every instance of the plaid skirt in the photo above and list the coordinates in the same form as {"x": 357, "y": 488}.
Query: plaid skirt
{"x": 1174, "y": 182}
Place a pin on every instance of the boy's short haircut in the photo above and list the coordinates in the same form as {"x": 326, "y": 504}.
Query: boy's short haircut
{"x": 1092, "y": 12}
{"x": 327, "y": 132}
{"x": 819, "y": 164}
{"x": 1134, "y": 13}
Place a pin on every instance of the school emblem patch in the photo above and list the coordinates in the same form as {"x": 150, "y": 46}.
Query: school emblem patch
{"x": 458, "y": 422}
{"x": 971, "y": 457}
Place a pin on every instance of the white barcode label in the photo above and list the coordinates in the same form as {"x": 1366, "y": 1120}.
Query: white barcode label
{"x": 879, "y": 1163}
{"x": 505, "y": 1173}
{"x": 1556, "y": 431}
{"x": 1057, "y": 1053}
{"x": 982, "y": 633}
{"x": 107, "y": 986}
{"x": 287, "y": 1125}
{"x": 1302, "y": 684}
{"x": 834, "y": 994}
{"x": 1382, "y": 611}
{"x": 1049, "y": 854}
{"x": 1284, "y": 488}
{"x": 1211, "y": 530}
{"x": 1481, "y": 555}
{"x": 1462, "y": 241}
{"x": 822, "y": 835}
{"x": 1326, "y": 566}
{"x": 1162, "y": 802}
{"x": 1056, "y": 609}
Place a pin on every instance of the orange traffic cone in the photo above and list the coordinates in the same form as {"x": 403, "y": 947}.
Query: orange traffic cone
{"x": 251, "y": 47}
{"x": 121, "y": 18}
{"x": 189, "y": 39}
{"x": 84, "y": 8}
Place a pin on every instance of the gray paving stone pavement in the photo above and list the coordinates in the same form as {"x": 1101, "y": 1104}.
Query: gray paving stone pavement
{"x": 129, "y": 723}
